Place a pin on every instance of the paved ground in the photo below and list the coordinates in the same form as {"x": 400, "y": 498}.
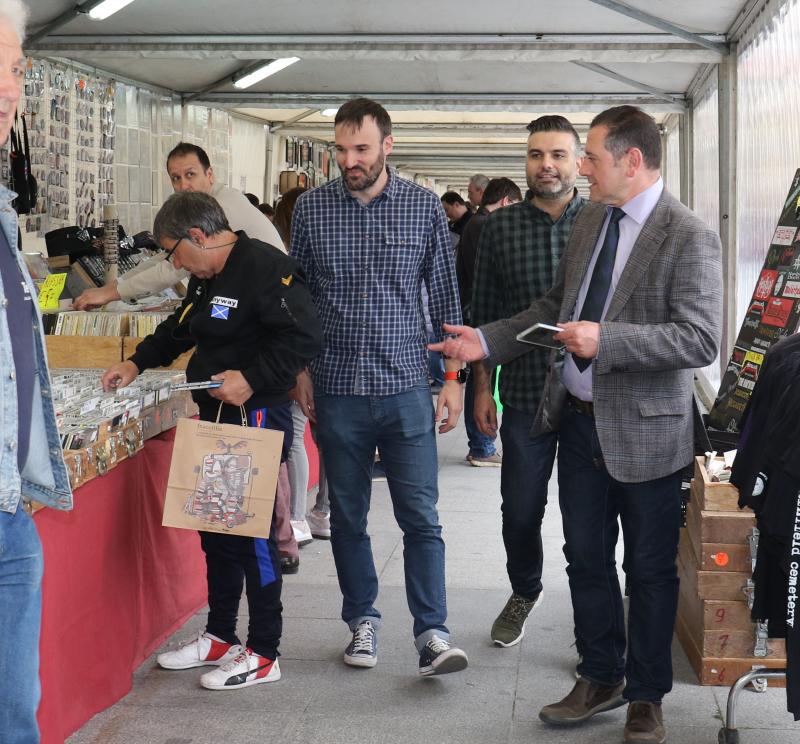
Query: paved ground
{"x": 497, "y": 699}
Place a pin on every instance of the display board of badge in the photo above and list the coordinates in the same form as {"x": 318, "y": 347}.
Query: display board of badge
{"x": 773, "y": 313}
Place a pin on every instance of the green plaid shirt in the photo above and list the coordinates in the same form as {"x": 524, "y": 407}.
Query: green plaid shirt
{"x": 518, "y": 253}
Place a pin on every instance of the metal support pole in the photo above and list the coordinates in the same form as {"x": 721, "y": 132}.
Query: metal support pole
{"x": 270, "y": 154}
{"x": 686, "y": 145}
{"x": 727, "y": 201}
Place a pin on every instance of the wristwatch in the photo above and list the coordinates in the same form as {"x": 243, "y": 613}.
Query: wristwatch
{"x": 459, "y": 376}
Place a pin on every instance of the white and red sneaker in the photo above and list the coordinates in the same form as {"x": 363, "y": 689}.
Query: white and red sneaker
{"x": 245, "y": 669}
{"x": 204, "y": 650}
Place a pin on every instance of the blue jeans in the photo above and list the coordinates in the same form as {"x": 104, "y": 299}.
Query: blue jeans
{"x": 479, "y": 444}
{"x": 401, "y": 426}
{"x": 591, "y": 502}
{"x": 527, "y": 465}
{"x": 21, "y": 567}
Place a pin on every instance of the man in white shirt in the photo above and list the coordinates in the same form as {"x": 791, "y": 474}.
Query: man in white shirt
{"x": 189, "y": 170}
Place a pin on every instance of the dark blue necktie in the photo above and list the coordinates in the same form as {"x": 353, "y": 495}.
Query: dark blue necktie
{"x": 600, "y": 282}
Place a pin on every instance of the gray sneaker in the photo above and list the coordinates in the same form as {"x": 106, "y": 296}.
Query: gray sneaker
{"x": 509, "y": 627}
{"x": 362, "y": 651}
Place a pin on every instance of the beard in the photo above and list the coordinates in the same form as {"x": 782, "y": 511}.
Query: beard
{"x": 357, "y": 179}
{"x": 551, "y": 190}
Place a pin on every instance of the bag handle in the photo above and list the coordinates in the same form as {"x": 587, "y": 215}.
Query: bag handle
{"x": 241, "y": 410}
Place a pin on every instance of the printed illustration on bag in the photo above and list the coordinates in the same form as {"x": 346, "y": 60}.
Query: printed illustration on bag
{"x": 224, "y": 483}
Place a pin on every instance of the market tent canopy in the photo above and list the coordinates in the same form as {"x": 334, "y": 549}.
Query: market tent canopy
{"x": 420, "y": 59}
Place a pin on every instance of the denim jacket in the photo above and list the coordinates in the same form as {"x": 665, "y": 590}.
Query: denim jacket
{"x": 44, "y": 478}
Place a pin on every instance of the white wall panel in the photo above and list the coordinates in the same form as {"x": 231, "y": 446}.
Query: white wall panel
{"x": 705, "y": 144}
{"x": 672, "y": 161}
{"x": 248, "y": 156}
{"x": 769, "y": 138}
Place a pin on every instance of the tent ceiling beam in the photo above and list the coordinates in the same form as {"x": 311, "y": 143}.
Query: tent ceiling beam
{"x": 415, "y": 47}
{"x": 539, "y": 102}
{"x": 293, "y": 120}
{"x": 62, "y": 20}
{"x": 656, "y": 22}
{"x": 662, "y": 95}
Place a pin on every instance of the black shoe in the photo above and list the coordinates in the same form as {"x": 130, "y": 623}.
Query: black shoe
{"x": 439, "y": 657}
{"x": 289, "y": 565}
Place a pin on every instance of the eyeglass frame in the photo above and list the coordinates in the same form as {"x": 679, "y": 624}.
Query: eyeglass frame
{"x": 168, "y": 256}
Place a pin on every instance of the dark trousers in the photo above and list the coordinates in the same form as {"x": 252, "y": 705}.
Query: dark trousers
{"x": 234, "y": 562}
{"x": 527, "y": 465}
{"x": 591, "y": 503}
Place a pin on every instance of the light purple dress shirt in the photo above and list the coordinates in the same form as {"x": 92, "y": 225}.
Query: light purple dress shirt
{"x": 637, "y": 210}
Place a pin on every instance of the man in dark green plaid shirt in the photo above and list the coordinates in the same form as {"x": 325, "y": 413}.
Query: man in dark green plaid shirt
{"x": 518, "y": 254}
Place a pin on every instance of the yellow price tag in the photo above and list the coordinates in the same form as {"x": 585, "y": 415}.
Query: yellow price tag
{"x": 51, "y": 290}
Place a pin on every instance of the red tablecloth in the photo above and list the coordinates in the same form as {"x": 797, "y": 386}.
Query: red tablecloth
{"x": 116, "y": 584}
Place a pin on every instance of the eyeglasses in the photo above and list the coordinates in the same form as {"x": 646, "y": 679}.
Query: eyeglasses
{"x": 168, "y": 256}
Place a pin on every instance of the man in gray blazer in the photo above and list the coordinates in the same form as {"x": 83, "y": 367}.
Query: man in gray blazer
{"x": 638, "y": 297}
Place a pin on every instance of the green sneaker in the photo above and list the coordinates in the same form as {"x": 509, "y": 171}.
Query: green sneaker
{"x": 509, "y": 627}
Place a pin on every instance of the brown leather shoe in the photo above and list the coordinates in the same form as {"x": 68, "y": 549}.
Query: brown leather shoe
{"x": 586, "y": 699}
{"x": 645, "y": 724}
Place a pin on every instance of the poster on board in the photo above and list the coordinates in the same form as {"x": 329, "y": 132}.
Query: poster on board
{"x": 773, "y": 312}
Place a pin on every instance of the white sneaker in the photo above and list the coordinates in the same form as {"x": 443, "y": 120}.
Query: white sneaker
{"x": 302, "y": 532}
{"x": 204, "y": 650}
{"x": 320, "y": 524}
{"x": 245, "y": 669}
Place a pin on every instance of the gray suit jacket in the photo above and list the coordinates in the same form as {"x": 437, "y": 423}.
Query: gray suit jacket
{"x": 664, "y": 320}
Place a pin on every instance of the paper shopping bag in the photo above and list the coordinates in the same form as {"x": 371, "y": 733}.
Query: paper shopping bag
{"x": 222, "y": 478}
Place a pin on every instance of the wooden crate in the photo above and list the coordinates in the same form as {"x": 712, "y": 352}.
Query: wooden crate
{"x": 729, "y": 554}
{"x": 719, "y": 585}
{"x": 726, "y": 527}
{"x": 719, "y": 628}
{"x": 722, "y": 670}
{"x": 713, "y": 623}
{"x": 84, "y": 352}
{"x": 709, "y": 495}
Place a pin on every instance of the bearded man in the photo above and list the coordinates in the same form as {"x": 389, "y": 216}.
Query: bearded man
{"x": 366, "y": 242}
{"x": 518, "y": 253}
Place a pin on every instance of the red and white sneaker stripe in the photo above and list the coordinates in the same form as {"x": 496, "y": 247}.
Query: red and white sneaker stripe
{"x": 203, "y": 650}
{"x": 247, "y": 668}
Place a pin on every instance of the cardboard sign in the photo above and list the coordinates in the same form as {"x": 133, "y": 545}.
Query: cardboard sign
{"x": 51, "y": 290}
{"x": 222, "y": 478}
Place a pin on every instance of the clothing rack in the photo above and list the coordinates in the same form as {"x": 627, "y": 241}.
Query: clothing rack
{"x": 729, "y": 734}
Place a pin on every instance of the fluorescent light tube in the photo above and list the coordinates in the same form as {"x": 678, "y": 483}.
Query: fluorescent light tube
{"x": 329, "y": 112}
{"x": 251, "y": 78}
{"x": 107, "y": 8}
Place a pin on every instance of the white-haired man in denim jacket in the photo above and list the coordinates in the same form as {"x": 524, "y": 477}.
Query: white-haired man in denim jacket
{"x": 31, "y": 464}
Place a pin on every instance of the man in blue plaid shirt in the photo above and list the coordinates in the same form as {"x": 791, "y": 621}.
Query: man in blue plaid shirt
{"x": 367, "y": 241}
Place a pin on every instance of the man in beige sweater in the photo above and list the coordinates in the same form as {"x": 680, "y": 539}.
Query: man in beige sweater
{"x": 189, "y": 170}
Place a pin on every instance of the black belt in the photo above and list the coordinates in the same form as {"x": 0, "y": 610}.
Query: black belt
{"x": 581, "y": 406}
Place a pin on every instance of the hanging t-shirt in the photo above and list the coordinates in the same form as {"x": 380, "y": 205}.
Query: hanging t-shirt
{"x": 19, "y": 313}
